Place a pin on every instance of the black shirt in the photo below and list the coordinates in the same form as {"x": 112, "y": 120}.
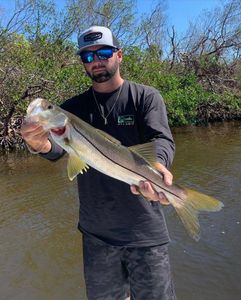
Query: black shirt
{"x": 108, "y": 209}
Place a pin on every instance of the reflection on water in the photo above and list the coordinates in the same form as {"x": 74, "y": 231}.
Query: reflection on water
{"x": 41, "y": 248}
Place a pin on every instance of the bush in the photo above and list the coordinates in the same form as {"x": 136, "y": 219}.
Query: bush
{"x": 43, "y": 68}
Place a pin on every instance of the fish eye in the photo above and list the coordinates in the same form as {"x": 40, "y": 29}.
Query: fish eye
{"x": 50, "y": 106}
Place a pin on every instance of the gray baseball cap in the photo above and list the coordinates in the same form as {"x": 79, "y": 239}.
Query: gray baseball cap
{"x": 96, "y": 35}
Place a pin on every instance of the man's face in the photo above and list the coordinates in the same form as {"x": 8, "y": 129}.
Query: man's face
{"x": 100, "y": 70}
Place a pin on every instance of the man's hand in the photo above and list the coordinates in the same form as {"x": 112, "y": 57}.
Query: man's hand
{"x": 145, "y": 188}
{"x": 36, "y": 137}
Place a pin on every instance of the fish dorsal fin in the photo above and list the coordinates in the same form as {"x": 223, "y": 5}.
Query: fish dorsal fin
{"x": 108, "y": 137}
{"x": 75, "y": 166}
{"x": 146, "y": 151}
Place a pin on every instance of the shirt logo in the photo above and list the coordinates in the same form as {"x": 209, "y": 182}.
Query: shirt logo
{"x": 126, "y": 120}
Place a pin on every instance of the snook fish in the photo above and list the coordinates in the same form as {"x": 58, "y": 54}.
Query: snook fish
{"x": 88, "y": 146}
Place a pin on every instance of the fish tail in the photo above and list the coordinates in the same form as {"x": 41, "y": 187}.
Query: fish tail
{"x": 189, "y": 208}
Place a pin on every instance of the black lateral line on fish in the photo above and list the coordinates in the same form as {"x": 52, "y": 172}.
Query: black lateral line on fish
{"x": 121, "y": 165}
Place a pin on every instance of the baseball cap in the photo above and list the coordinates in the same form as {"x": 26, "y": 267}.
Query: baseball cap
{"x": 96, "y": 35}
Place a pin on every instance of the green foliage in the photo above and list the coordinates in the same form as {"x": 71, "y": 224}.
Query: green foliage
{"x": 42, "y": 68}
{"x": 181, "y": 92}
{"x": 182, "y": 95}
{"x": 199, "y": 80}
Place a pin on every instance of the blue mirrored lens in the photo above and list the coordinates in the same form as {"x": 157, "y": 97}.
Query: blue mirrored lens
{"x": 103, "y": 53}
{"x": 87, "y": 57}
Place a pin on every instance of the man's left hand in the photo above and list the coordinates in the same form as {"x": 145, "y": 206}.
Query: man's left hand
{"x": 145, "y": 187}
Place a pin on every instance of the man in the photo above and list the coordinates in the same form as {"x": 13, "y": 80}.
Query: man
{"x": 125, "y": 239}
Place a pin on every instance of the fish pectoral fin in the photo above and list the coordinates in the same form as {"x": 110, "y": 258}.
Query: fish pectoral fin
{"x": 75, "y": 166}
{"x": 147, "y": 152}
{"x": 108, "y": 137}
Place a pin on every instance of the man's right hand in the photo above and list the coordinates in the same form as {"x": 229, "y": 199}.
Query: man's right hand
{"x": 36, "y": 137}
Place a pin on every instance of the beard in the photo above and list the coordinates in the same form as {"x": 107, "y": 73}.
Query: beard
{"x": 105, "y": 75}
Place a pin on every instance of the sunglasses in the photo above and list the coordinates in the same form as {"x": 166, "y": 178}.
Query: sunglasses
{"x": 102, "y": 54}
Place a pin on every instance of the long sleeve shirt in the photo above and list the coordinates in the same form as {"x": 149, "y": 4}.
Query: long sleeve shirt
{"x": 108, "y": 209}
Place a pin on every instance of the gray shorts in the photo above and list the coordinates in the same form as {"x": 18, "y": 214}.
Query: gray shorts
{"x": 113, "y": 272}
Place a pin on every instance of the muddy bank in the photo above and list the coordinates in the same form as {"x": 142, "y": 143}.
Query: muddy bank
{"x": 216, "y": 112}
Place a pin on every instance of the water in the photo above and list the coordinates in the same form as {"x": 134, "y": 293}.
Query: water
{"x": 40, "y": 247}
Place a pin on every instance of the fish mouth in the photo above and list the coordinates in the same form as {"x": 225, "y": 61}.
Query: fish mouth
{"x": 58, "y": 130}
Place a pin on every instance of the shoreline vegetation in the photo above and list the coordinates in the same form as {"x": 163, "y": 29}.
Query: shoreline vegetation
{"x": 198, "y": 74}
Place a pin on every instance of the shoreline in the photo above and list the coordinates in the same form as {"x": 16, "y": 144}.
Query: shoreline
{"x": 207, "y": 117}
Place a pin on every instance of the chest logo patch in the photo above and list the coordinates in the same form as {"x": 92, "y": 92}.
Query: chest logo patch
{"x": 126, "y": 120}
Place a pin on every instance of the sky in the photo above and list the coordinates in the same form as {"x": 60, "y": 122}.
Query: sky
{"x": 180, "y": 12}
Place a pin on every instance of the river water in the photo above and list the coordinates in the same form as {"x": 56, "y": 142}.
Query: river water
{"x": 40, "y": 247}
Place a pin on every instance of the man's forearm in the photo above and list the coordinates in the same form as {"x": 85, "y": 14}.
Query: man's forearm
{"x": 165, "y": 151}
